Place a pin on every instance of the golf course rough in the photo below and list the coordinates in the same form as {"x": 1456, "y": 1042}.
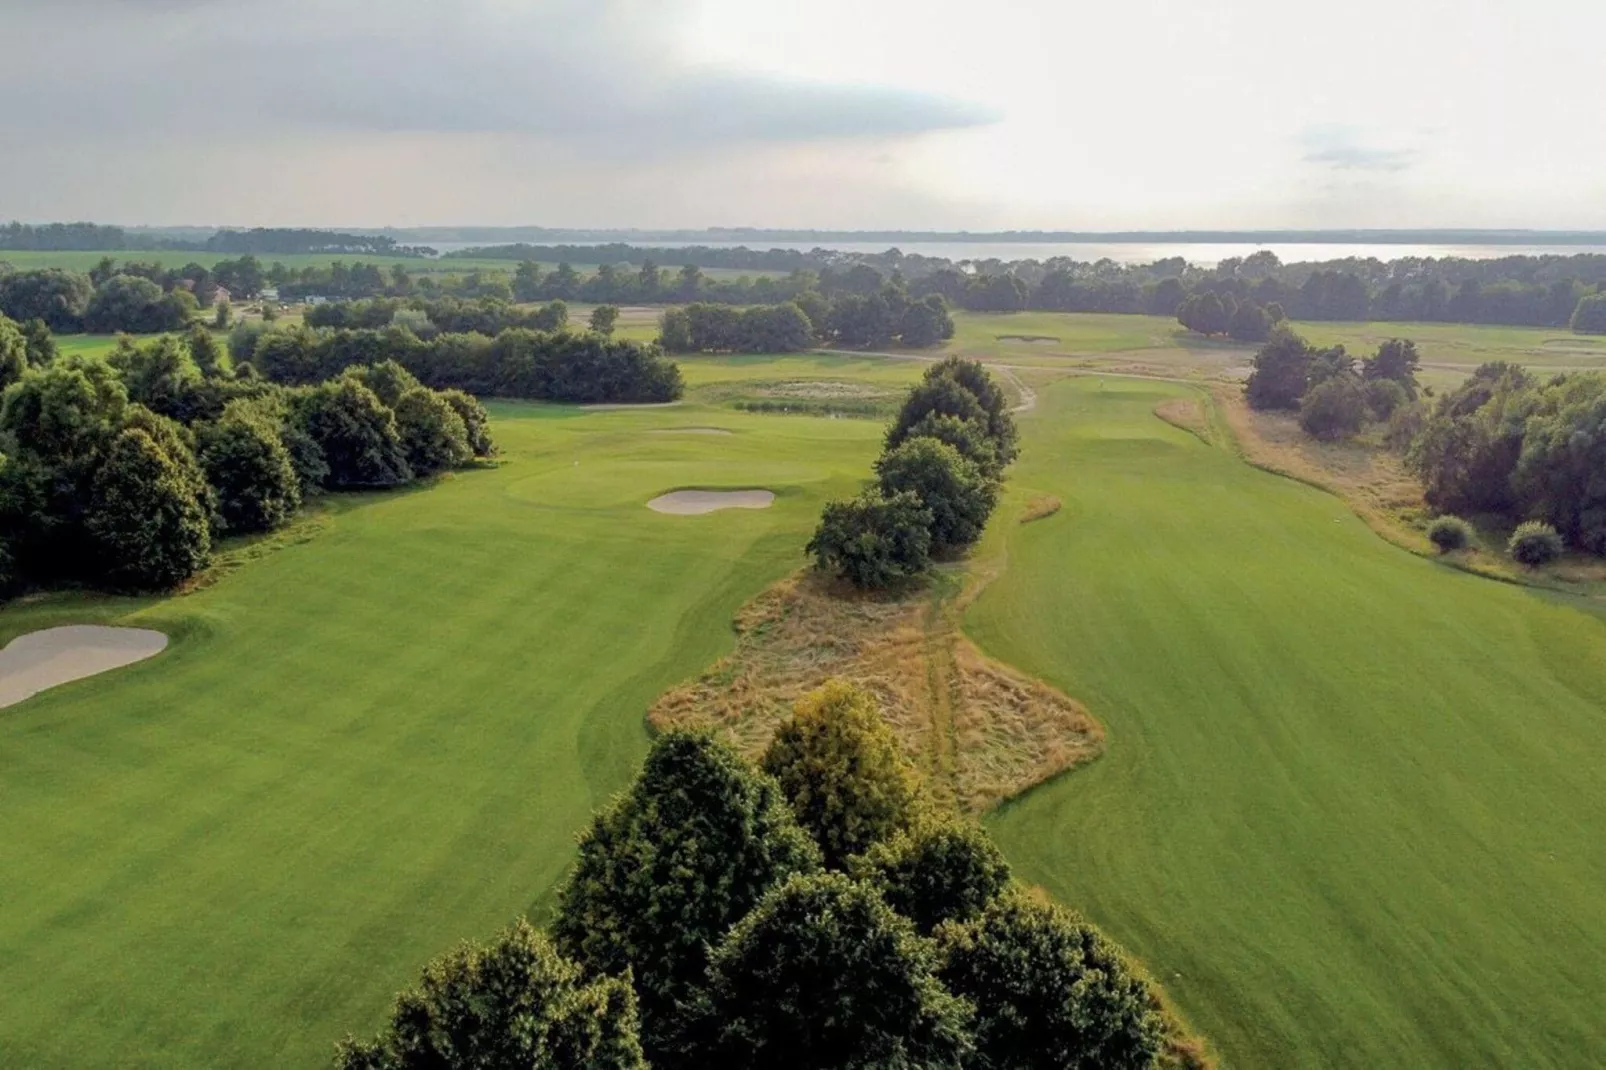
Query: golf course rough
{"x": 1350, "y": 809}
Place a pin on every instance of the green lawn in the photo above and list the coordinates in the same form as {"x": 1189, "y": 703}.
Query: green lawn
{"x": 1351, "y": 808}
{"x": 364, "y": 747}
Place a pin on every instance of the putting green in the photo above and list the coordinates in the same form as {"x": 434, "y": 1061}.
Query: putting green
{"x": 1350, "y": 811}
{"x": 364, "y": 747}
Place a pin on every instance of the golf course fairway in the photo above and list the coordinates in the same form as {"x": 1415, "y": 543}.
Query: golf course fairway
{"x": 1350, "y": 811}
{"x": 366, "y": 746}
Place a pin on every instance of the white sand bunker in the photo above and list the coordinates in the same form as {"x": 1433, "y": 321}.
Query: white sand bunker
{"x": 31, "y": 663}
{"x": 696, "y": 502}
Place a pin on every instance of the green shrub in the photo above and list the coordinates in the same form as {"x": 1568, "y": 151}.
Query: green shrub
{"x": 1384, "y": 397}
{"x": 432, "y": 433}
{"x": 669, "y": 867}
{"x": 1534, "y": 543}
{"x": 960, "y": 496}
{"x": 145, "y": 518}
{"x": 823, "y": 974}
{"x": 247, "y": 464}
{"x": 1334, "y": 408}
{"x": 1450, "y": 533}
{"x": 1049, "y": 991}
{"x": 843, "y": 770}
{"x": 872, "y": 541}
{"x": 939, "y": 871}
{"x": 513, "y": 1003}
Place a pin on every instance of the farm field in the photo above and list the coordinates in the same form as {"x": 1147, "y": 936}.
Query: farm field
{"x": 1349, "y": 811}
{"x": 369, "y": 744}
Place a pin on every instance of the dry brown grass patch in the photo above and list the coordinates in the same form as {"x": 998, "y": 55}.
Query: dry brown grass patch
{"x": 1185, "y": 413}
{"x": 1043, "y": 505}
{"x": 1371, "y": 480}
{"x": 979, "y": 731}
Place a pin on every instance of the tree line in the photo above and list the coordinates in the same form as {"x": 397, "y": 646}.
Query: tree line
{"x": 1505, "y": 445}
{"x": 518, "y": 362}
{"x": 123, "y": 472}
{"x": 811, "y": 319}
{"x": 92, "y": 237}
{"x": 815, "y": 911}
{"x": 937, "y": 482}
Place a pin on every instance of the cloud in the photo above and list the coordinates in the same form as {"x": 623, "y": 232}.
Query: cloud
{"x": 605, "y": 74}
{"x": 1340, "y": 148}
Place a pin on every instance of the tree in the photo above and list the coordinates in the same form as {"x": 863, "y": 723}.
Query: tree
{"x": 14, "y": 355}
{"x": 432, "y": 434}
{"x": 129, "y": 303}
{"x": 515, "y": 1003}
{"x": 1333, "y": 409}
{"x": 1280, "y": 371}
{"x": 872, "y": 541}
{"x": 386, "y": 378}
{"x": 205, "y": 352}
{"x": 926, "y": 322}
{"x": 968, "y": 437}
{"x": 1590, "y": 315}
{"x": 1397, "y": 361}
{"x": 842, "y": 769}
{"x": 159, "y": 375}
{"x": 222, "y": 316}
{"x": 1560, "y": 474}
{"x": 56, "y": 297}
{"x": 247, "y": 464}
{"x": 669, "y": 867}
{"x": 824, "y": 974}
{"x": 973, "y": 377}
{"x": 476, "y": 422}
{"x": 937, "y": 872}
{"x": 959, "y": 496}
{"x": 1204, "y": 313}
{"x": 356, "y": 433}
{"x": 1049, "y": 991}
{"x": 145, "y": 519}
{"x": 1249, "y": 323}
{"x": 603, "y": 318}
{"x": 674, "y": 331}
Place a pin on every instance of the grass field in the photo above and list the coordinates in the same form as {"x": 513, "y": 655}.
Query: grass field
{"x": 1350, "y": 808}
{"x": 363, "y": 748}
{"x": 1348, "y": 814}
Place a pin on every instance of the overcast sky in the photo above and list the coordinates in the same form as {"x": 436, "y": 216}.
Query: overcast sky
{"x": 1114, "y": 114}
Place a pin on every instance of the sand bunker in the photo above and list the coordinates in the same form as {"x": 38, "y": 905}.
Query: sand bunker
{"x": 39, "y": 660}
{"x": 696, "y": 502}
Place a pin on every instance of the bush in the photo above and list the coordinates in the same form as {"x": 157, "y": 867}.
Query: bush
{"x": 357, "y": 434}
{"x": 1450, "y": 533}
{"x": 1049, "y": 991}
{"x": 843, "y": 771}
{"x": 874, "y": 542}
{"x": 1280, "y": 374}
{"x": 959, "y": 496}
{"x": 432, "y": 434}
{"x": 1385, "y": 397}
{"x": 823, "y": 974}
{"x": 1534, "y": 543}
{"x": 387, "y": 379}
{"x": 150, "y": 528}
{"x": 514, "y": 1003}
{"x": 938, "y": 872}
{"x": 1333, "y": 409}
{"x": 669, "y": 867}
{"x": 476, "y": 422}
{"x": 252, "y": 472}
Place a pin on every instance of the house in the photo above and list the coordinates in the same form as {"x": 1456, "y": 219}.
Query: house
{"x": 221, "y": 296}
{"x": 270, "y": 293}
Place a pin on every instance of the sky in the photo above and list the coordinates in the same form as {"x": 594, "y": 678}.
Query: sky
{"x": 842, "y": 114}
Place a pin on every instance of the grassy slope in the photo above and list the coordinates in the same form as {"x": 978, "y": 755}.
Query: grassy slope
{"x": 365, "y": 747}
{"x": 1350, "y": 808}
